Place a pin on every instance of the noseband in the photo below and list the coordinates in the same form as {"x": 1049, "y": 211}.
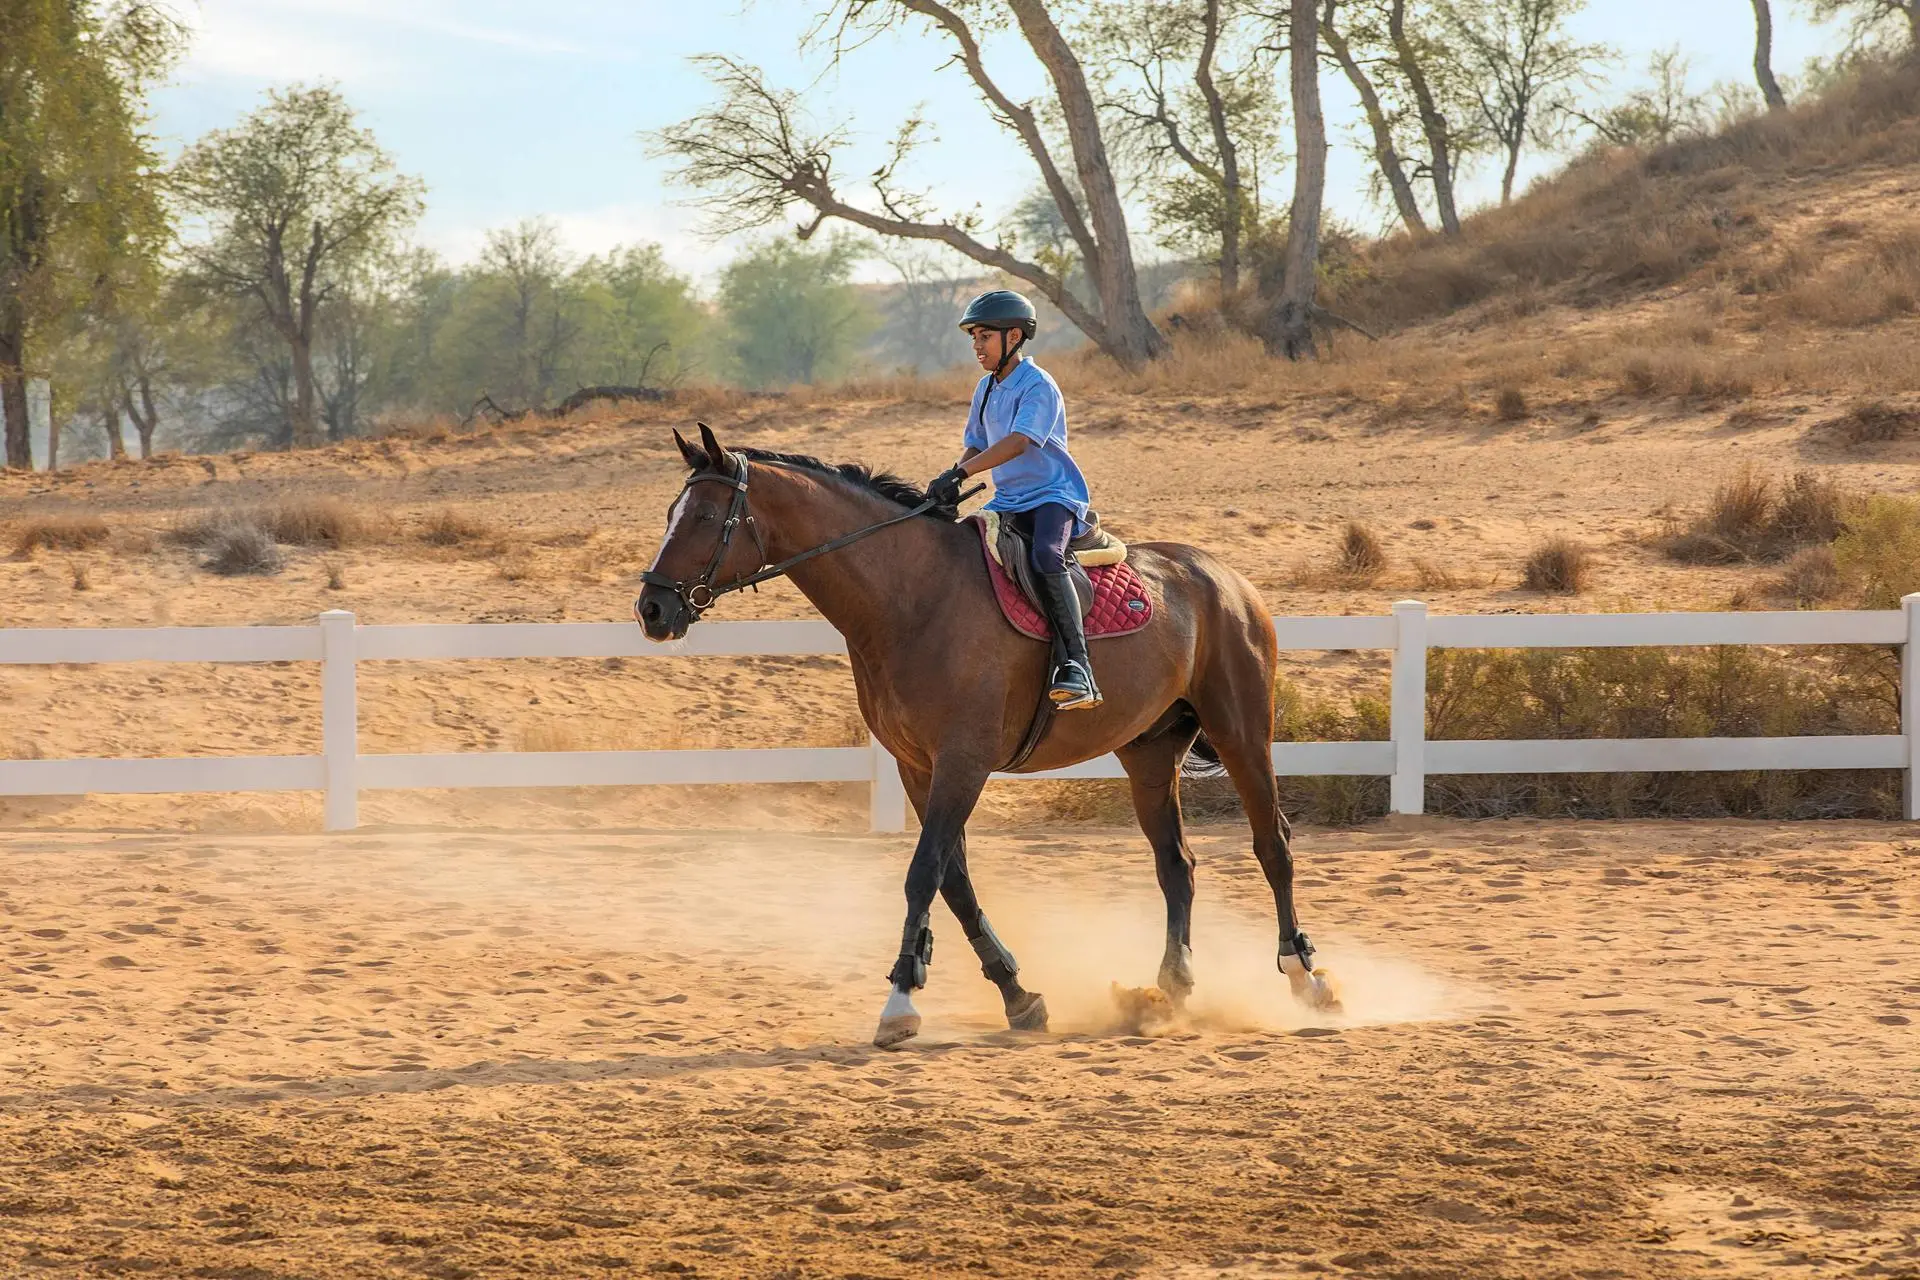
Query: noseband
{"x": 700, "y": 594}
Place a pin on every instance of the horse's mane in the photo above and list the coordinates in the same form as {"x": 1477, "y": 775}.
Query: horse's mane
{"x": 885, "y": 484}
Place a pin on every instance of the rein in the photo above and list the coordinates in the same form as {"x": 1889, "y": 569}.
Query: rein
{"x": 701, "y": 594}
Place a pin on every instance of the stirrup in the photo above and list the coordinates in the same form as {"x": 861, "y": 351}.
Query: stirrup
{"x": 1070, "y": 693}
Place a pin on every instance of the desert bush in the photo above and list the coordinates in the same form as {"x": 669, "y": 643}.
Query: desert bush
{"x": 310, "y": 522}
{"x": 1880, "y": 549}
{"x": 1559, "y": 565}
{"x": 1812, "y": 577}
{"x": 61, "y": 533}
{"x": 1750, "y": 518}
{"x": 1511, "y": 405}
{"x": 239, "y": 547}
{"x": 1879, "y": 284}
{"x": 1428, "y": 576}
{"x": 1873, "y": 422}
{"x": 1361, "y": 555}
{"x": 449, "y": 527}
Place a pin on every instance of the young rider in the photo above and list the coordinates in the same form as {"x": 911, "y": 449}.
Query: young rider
{"x": 1017, "y": 429}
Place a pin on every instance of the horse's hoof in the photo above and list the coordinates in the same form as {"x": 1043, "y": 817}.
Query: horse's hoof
{"x": 1177, "y": 991}
{"x": 1029, "y": 1013}
{"x": 1324, "y": 994}
{"x": 896, "y": 1030}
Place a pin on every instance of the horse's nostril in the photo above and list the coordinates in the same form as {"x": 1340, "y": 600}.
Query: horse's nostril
{"x": 650, "y": 610}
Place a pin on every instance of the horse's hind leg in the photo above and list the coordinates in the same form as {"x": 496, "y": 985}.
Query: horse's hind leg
{"x": 1153, "y": 776}
{"x": 1236, "y": 714}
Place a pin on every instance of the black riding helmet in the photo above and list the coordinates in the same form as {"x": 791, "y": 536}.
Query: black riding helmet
{"x": 1001, "y": 309}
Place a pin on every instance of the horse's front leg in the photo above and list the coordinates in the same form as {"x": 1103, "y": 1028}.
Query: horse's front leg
{"x": 951, "y": 794}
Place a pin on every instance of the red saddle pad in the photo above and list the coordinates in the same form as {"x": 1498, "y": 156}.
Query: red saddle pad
{"x": 1120, "y": 603}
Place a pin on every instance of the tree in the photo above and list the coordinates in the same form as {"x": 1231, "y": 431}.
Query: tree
{"x": 524, "y": 269}
{"x": 78, "y": 174}
{"x": 755, "y": 156}
{"x": 297, "y": 196}
{"x": 1386, "y": 150}
{"x": 1187, "y": 87}
{"x": 791, "y": 313}
{"x": 1763, "y": 56}
{"x": 1435, "y": 76}
{"x": 1869, "y": 19}
{"x": 1659, "y": 114}
{"x": 1290, "y": 330}
{"x": 1524, "y": 67}
{"x": 923, "y": 308}
{"x": 641, "y": 324}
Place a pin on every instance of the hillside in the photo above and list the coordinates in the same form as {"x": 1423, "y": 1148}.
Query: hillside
{"x": 1587, "y": 363}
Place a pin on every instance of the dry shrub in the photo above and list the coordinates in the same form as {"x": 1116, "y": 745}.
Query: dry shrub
{"x": 516, "y": 565}
{"x": 80, "y": 580}
{"x": 1511, "y": 405}
{"x": 1663, "y": 693}
{"x": 1560, "y": 566}
{"x": 310, "y": 522}
{"x": 242, "y": 548}
{"x": 1361, "y": 555}
{"x": 1751, "y": 518}
{"x": 1872, "y": 422}
{"x": 1811, "y": 578}
{"x": 1428, "y": 576}
{"x": 1880, "y": 549}
{"x": 61, "y": 533}
{"x": 1874, "y": 286}
{"x": 449, "y": 527}
{"x": 336, "y": 574}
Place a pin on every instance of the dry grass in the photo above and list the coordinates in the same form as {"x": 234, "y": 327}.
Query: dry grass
{"x": 1811, "y": 578}
{"x": 1753, "y": 518}
{"x": 336, "y": 574}
{"x": 1428, "y": 576}
{"x": 81, "y": 582}
{"x": 451, "y": 527}
{"x": 239, "y": 548}
{"x": 517, "y": 565}
{"x": 311, "y": 522}
{"x": 1872, "y": 422}
{"x": 1558, "y": 566}
{"x": 60, "y": 533}
{"x": 1511, "y": 405}
{"x": 1361, "y": 556}
{"x": 1873, "y": 285}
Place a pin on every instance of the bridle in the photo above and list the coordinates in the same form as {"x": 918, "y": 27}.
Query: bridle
{"x": 700, "y": 595}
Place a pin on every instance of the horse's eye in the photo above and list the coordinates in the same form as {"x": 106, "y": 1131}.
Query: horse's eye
{"x": 705, "y": 515}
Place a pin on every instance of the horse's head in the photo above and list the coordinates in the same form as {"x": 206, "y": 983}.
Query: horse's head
{"x": 702, "y": 549}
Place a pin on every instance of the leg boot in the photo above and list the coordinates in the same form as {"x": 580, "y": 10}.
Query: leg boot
{"x": 1073, "y": 685}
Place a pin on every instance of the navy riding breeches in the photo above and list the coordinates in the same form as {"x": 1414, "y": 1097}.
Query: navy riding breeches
{"x": 1049, "y": 528}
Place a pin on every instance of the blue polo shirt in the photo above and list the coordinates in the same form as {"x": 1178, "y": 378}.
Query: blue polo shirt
{"x": 1029, "y": 402}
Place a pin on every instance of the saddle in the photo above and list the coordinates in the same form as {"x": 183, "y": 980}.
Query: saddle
{"x": 1113, "y": 598}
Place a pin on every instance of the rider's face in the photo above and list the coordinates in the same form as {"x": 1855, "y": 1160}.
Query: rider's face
{"x": 986, "y": 345}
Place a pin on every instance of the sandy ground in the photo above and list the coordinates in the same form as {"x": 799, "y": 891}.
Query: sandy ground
{"x": 1569, "y": 1050}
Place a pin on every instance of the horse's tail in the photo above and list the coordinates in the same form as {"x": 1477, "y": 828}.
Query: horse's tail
{"x": 1202, "y": 760}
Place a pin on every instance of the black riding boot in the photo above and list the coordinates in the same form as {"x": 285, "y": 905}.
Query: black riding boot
{"x": 1073, "y": 684}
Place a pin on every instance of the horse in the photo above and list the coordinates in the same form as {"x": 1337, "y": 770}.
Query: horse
{"x": 952, "y": 691}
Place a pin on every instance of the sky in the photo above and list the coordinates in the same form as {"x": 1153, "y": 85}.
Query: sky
{"x": 512, "y": 109}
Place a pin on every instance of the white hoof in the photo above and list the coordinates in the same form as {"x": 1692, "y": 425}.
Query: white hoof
{"x": 899, "y": 1021}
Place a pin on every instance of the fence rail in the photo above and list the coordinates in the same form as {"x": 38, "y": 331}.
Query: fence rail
{"x": 339, "y": 644}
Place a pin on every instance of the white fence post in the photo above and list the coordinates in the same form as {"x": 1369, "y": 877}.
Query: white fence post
{"x": 1910, "y": 700}
{"x": 887, "y": 803}
{"x": 340, "y": 720}
{"x": 1407, "y": 791}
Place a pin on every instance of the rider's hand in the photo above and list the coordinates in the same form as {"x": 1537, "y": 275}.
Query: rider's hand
{"x": 945, "y": 487}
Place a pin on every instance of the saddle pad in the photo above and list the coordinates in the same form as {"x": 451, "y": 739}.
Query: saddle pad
{"x": 1120, "y": 604}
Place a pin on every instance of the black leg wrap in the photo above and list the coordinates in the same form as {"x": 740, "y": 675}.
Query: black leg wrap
{"x": 996, "y": 962}
{"x": 916, "y": 953}
{"x": 1298, "y": 945}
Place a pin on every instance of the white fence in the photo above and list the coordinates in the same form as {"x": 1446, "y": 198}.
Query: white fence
{"x": 342, "y": 772}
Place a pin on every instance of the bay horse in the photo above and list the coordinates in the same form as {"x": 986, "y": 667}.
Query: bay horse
{"x": 951, "y": 690}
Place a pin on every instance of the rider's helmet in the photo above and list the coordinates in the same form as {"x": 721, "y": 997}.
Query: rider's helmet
{"x": 1001, "y": 309}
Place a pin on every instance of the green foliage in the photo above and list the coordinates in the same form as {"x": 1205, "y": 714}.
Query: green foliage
{"x": 1879, "y": 550}
{"x": 791, "y": 313}
{"x": 81, "y": 221}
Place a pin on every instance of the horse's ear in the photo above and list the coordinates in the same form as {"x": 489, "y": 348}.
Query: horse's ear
{"x": 716, "y": 456}
{"x": 695, "y": 458}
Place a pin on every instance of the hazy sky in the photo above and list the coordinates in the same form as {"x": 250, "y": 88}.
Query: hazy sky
{"x": 514, "y": 109}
